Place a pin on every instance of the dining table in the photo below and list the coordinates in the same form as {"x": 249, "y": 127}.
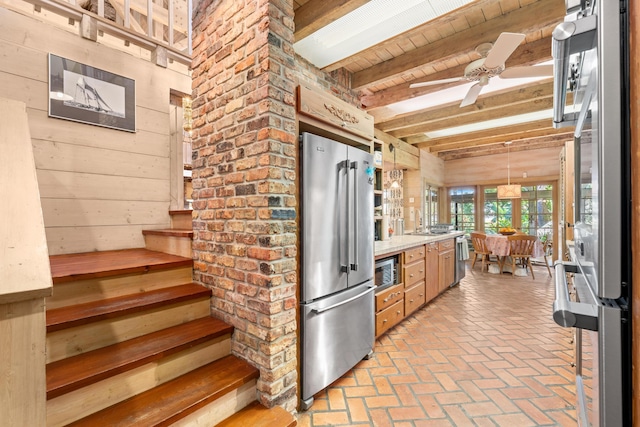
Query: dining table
{"x": 499, "y": 246}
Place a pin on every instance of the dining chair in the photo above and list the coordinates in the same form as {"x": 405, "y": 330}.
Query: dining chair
{"x": 479, "y": 241}
{"x": 520, "y": 250}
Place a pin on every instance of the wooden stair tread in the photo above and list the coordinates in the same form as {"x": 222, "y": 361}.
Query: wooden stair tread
{"x": 174, "y": 232}
{"x": 87, "y": 265}
{"x": 180, "y": 211}
{"x": 82, "y": 314}
{"x": 173, "y": 400}
{"x": 79, "y": 371}
{"x": 257, "y": 415}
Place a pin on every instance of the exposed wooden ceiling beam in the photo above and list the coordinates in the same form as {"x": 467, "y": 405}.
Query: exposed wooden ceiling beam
{"x": 547, "y": 12}
{"x": 484, "y": 135}
{"x": 533, "y": 144}
{"x": 527, "y": 54}
{"x": 500, "y": 139}
{"x": 315, "y": 14}
{"x": 484, "y": 103}
{"x": 529, "y": 106}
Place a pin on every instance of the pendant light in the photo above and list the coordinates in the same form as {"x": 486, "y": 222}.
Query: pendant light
{"x": 509, "y": 191}
{"x": 394, "y": 183}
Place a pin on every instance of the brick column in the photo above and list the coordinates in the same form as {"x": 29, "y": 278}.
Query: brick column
{"x": 244, "y": 160}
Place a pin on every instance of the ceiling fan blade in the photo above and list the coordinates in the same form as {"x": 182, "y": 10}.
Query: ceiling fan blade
{"x": 472, "y": 95}
{"x": 502, "y": 49}
{"x": 533, "y": 71}
{"x": 435, "y": 82}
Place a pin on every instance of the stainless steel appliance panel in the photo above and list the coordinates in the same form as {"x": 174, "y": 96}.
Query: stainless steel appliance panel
{"x": 601, "y": 251}
{"x": 361, "y": 216}
{"x": 337, "y": 332}
{"x": 324, "y": 217}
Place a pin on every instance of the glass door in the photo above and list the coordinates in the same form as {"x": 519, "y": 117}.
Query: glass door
{"x": 498, "y": 213}
{"x": 463, "y": 209}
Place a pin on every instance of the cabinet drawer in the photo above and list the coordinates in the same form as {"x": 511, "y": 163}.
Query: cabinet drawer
{"x": 445, "y": 245}
{"x": 413, "y": 273}
{"x": 431, "y": 247}
{"x": 414, "y": 298}
{"x": 389, "y": 296}
{"x": 389, "y": 317}
{"x": 414, "y": 254}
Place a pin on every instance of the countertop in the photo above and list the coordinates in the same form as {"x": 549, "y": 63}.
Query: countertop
{"x": 399, "y": 243}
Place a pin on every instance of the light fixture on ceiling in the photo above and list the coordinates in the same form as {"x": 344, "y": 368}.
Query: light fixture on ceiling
{"x": 394, "y": 183}
{"x": 509, "y": 191}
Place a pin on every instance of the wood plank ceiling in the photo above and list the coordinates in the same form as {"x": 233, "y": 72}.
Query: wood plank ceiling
{"x": 441, "y": 49}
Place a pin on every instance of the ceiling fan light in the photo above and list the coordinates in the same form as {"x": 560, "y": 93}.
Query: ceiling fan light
{"x": 512, "y": 191}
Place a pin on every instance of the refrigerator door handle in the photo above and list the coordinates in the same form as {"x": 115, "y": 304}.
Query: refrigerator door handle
{"x": 331, "y": 307}
{"x": 568, "y": 313}
{"x": 354, "y": 266}
{"x": 344, "y": 268}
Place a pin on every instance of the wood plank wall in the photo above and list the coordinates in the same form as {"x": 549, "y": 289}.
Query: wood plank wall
{"x": 100, "y": 187}
{"x": 493, "y": 169}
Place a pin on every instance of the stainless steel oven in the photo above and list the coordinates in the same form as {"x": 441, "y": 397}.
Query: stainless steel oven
{"x": 590, "y": 51}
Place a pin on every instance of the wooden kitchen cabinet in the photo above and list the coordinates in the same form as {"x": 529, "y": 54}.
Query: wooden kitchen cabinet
{"x": 414, "y": 274}
{"x": 414, "y": 298}
{"x": 389, "y": 296}
{"x": 432, "y": 284}
{"x": 424, "y": 272}
{"x": 389, "y": 317}
{"x": 446, "y": 264}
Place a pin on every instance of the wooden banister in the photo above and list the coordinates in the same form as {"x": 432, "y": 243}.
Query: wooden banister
{"x": 25, "y": 276}
{"x": 24, "y": 257}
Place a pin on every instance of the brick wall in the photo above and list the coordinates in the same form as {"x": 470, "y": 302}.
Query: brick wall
{"x": 244, "y": 178}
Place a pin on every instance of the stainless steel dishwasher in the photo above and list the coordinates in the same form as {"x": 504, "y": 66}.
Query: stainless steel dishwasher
{"x": 462, "y": 254}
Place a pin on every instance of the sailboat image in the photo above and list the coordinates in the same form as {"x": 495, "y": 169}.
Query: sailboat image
{"x": 91, "y": 97}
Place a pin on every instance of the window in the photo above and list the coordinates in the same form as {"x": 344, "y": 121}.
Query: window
{"x": 586, "y": 208}
{"x": 463, "y": 209}
{"x": 430, "y": 205}
{"x": 497, "y": 212}
{"x": 536, "y": 211}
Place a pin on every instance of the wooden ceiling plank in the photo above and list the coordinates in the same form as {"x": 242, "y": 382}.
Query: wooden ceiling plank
{"x": 509, "y": 5}
{"x": 424, "y": 31}
{"x": 484, "y": 103}
{"x": 528, "y": 54}
{"x": 549, "y": 11}
{"x": 315, "y": 14}
{"x": 492, "y": 11}
{"x": 480, "y": 116}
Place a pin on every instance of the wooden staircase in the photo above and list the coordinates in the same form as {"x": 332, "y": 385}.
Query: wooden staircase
{"x": 130, "y": 341}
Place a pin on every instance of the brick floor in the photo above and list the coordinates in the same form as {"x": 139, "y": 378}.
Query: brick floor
{"x": 484, "y": 353}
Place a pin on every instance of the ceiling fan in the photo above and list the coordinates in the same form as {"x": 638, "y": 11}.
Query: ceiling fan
{"x": 491, "y": 64}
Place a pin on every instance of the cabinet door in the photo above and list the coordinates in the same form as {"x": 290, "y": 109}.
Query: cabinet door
{"x": 431, "y": 272}
{"x": 446, "y": 269}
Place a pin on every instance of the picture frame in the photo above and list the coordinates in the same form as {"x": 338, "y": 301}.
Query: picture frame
{"x": 85, "y": 94}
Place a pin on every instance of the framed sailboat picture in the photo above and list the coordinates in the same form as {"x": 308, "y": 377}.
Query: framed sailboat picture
{"x": 86, "y": 94}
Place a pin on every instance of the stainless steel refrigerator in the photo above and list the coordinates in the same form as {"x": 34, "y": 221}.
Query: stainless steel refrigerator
{"x": 591, "y": 58}
{"x": 337, "y": 301}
